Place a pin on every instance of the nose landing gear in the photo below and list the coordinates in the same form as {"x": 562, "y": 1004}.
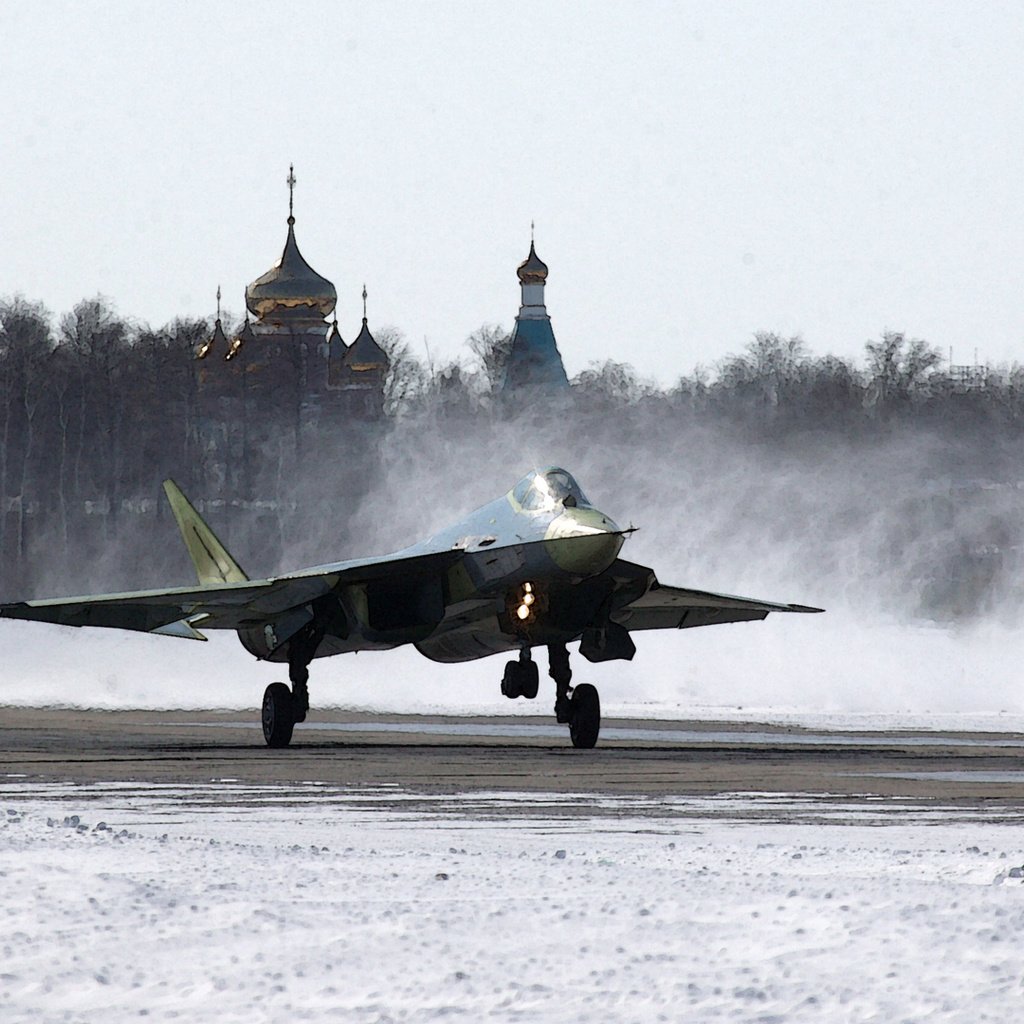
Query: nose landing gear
{"x": 585, "y": 716}
{"x": 577, "y": 707}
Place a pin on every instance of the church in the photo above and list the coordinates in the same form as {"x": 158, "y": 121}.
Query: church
{"x": 534, "y": 362}
{"x": 287, "y": 383}
{"x": 289, "y": 350}
{"x": 287, "y": 379}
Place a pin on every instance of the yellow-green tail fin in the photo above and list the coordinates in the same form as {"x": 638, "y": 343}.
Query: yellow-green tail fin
{"x": 212, "y": 561}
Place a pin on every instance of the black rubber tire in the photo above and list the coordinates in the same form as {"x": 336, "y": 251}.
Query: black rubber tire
{"x": 585, "y": 721}
{"x": 510, "y": 680}
{"x": 278, "y": 715}
{"x": 529, "y": 679}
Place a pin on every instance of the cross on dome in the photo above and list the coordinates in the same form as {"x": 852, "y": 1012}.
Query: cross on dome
{"x": 291, "y": 288}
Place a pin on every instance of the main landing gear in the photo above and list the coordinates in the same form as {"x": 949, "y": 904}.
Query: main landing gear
{"x": 278, "y": 715}
{"x": 283, "y": 708}
{"x": 578, "y": 707}
{"x": 521, "y": 678}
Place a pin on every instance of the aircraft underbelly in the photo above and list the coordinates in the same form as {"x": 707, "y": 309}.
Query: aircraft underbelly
{"x": 468, "y": 643}
{"x": 567, "y": 610}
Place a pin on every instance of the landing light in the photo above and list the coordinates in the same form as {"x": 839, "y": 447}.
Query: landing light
{"x": 526, "y": 604}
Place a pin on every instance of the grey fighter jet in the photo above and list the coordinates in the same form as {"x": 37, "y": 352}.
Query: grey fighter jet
{"x": 538, "y": 567}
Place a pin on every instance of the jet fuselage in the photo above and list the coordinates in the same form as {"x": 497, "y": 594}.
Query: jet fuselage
{"x": 518, "y": 578}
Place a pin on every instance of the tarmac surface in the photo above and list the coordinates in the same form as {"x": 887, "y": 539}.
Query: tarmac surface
{"x": 432, "y": 756}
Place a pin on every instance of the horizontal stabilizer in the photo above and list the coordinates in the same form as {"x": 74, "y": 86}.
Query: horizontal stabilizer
{"x": 182, "y": 628}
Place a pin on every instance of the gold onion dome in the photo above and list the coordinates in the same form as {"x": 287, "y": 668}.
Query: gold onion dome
{"x": 244, "y": 336}
{"x": 291, "y": 284}
{"x": 218, "y": 340}
{"x": 533, "y": 270}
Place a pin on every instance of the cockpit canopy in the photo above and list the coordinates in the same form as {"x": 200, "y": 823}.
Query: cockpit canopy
{"x": 548, "y": 490}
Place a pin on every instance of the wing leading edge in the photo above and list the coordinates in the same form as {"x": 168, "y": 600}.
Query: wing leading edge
{"x": 183, "y": 611}
{"x": 645, "y": 603}
{"x": 180, "y": 611}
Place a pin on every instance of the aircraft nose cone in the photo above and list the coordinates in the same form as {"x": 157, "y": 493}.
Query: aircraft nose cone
{"x": 584, "y": 541}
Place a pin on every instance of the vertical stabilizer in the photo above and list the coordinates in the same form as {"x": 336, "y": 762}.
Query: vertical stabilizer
{"x": 210, "y": 557}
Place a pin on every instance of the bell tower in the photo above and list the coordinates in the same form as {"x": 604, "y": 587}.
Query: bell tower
{"x": 534, "y": 360}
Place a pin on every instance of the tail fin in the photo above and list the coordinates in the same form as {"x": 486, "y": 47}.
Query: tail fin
{"x": 212, "y": 561}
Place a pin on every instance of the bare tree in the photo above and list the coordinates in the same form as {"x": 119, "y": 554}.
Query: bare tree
{"x": 897, "y": 366}
{"x": 99, "y": 340}
{"x": 406, "y": 378}
{"x": 610, "y": 381}
{"x": 769, "y": 371}
{"x": 26, "y": 347}
{"x": 491, "y": 344}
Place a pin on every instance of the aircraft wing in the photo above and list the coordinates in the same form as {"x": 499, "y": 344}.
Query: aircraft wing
{"x": 645, "y": 603}
{"x": 179, "y": 611}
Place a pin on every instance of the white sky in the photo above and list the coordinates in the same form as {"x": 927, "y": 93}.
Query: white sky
{"x": 697, "y": 171}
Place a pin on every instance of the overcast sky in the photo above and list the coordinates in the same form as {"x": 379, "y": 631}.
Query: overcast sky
{"x": 697, "y": 171}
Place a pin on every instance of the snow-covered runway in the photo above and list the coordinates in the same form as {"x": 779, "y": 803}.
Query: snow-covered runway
{"x": 232, "y": 902}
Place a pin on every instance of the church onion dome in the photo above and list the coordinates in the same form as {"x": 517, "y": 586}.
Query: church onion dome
{"x": 245, "y": 335}
{"x": 365, "y": 354}
{"x": 533, "y": 270}
{"x": 218, "y": 340}
{"x": 291, "y": 284}
{"x": 334, "y": 336}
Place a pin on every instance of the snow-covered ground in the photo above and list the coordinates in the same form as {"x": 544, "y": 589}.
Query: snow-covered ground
{"x": 233, "y": 903}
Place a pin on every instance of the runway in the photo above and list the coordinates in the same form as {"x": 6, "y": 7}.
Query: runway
{"x": 389, "y": 868}
{"x": 423, "y": 757}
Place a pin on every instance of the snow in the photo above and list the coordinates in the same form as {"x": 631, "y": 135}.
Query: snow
{"x": 230, "y": 902}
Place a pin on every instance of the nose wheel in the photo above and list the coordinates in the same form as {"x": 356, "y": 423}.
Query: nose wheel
{"x": 584, "y": 716}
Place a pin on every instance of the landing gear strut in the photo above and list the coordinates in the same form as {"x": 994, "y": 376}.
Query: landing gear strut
{"x": 283, "y": 708}
{"x": 558, "y": 669}
{"x": 578, "y": 707}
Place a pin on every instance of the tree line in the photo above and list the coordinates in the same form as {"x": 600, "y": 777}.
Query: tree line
{"x": 96, "y": 410}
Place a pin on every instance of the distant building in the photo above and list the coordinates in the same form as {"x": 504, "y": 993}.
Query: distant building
{"x": 969, "y": 378}
{"x": 534, "y": 361}
{"x": 287, "y": 349}
{"x": 287, "y": 376}
{"x": 356, "y": 373}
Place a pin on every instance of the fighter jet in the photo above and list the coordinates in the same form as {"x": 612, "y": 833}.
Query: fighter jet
{"x": 538, "y": 567}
